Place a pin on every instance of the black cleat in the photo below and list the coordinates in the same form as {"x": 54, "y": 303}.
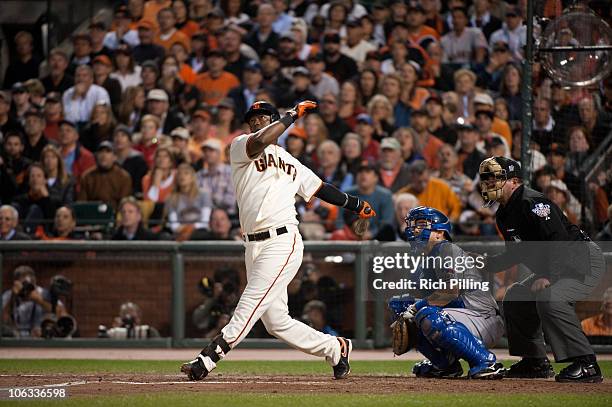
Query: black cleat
{"x": 195, "y": 369}
{"x": 580, "y": 371}
{"x": 494, "y": 371}
{"x": 426, "y": 369}
{"x": 343, "y": 368}
{"x": 530, "y": 368}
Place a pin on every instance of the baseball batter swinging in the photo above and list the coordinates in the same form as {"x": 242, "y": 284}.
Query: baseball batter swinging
{"x": 266, "y": 179}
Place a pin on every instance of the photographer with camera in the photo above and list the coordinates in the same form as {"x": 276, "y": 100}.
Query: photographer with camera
{"x": 221, "y": 294}
{"x": 128, "y": 325}
{"x": 24, "y": 305}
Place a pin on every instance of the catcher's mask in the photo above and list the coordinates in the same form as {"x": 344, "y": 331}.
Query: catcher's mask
{"x": 262, "y": 108}
{"x": 421, "y": 220}
{"x": 494, "y": 173}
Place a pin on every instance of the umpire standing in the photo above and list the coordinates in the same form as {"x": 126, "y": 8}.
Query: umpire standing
{"x": 565, "y": 267}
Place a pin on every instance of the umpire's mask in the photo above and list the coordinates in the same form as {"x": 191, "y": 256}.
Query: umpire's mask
{"x": 494, "y": 173}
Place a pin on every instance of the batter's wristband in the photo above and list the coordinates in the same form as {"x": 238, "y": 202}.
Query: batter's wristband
{"x": 352, "y": 203}
{"x": 287, "y": 120}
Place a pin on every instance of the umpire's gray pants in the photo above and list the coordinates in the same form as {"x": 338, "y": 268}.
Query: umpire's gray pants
{"x": 550, "y": 312}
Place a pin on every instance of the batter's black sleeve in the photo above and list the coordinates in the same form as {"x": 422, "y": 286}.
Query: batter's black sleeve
{"x": 334, "y": 196}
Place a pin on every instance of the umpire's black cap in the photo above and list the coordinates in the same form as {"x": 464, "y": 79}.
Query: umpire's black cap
{"x": 512, "y": 168}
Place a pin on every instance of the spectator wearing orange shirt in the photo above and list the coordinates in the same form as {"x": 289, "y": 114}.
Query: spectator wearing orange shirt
{"x": 215, "y": 83}
{"x": 418, "y": 32}
{"x": 426, "y": 143}
{"x": 157, "y": 184}
{"x": 600, "y": 324}
{"x": 183, "y": 23}
{"x": 168, "y": 34}
{"x": 152, "y": 8}
{"x": 201, "y": 130}
{"x": 431, "y": 191}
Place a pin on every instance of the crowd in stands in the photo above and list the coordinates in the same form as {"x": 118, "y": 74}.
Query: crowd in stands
{"x": 135, "y": 116}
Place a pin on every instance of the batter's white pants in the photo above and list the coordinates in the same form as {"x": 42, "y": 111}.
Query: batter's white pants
{"x": 270, "y": 266}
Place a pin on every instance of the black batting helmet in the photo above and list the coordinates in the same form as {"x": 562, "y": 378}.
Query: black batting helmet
{"x": 262, "y": 108}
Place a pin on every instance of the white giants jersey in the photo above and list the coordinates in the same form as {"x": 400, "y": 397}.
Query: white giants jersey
{"x": 267, "y": 184}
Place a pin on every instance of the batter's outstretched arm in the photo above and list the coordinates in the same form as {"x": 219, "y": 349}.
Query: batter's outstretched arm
{"x": 268, "y": 135}
{"x": 334, "y": 196}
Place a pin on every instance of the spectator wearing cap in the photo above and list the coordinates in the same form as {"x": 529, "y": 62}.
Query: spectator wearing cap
{"x": 337, "y": 64}
{"x": 463, "y": 45}
{"x": 122, "y": 33}
{"x": 230, "y": 41}
{"x": 593, "y": 119}
{"x": 482, "y": 101}
{"x": 489, "y": 74}
{"x": 299, "y": 29}
{"x": 159, "y": 106}
{"x": 367, "y": 188}
{"x": 482, "y": 18}
{"x": 107, "y": 181}
{"x": 126, "y": 71}
{"x": 100, "y": 127}
{"x": 97, "y": 32}
{"x": 58, "y": 80}
{"x": 21, "y": 101}
{"x": 320, "y": 81}
{"x": 356, "y": 46}
{"x": 35, "y": 139}
{"x": 365, "y": 130}
{"x": 9, "y": 220}
{"x": 469, "y": 155}
{"x": 148, "y": 139}
{"x": 336, "y": 126}
{"x": 8, "y": 121}
{"x": 392, "y": 89}
{"x": 329, "y": 156}
{"x": 102, "y": 68}
{"x": 168, "y": 34}
{"x": 80, "y": 99}
{"x": 418, "y": 32}
{"x": 81, "y": 52}
{"x": 202, "y": 129}
{"x": 59, "y": 182}
{"x": 130, "y": 226}
{"x": 13, "y": 166}
{"x": 557, "y": 159}
{"x": 77, "y": 159}
{"x": 147, "y": 50}
{"x": 484, "y": 124}
{"x": 130, "y": 159}
{"x": 243, "y": 95}
{"x": 495, "y": 147}
{"x": 513, "y": 32}
{"x": 558, "y": 193}
{"x": 393, "y": 172}
{"x": 25, "y": 66}
{"x": 216, "y": 82}
{"x": 296, "y": 145}
{"x": 215, "y": 177}
{"x": 460, "y": 183}
{"x": 54, "y": 113}
{"x": 158, "y": 183}
{"x": 180, "y": 141}
{"x": 432, "y": 191}
{"x": 262, "y": 36}
{"x": 288, "y": 52}
{"x": 300, "y": 90}
{"x": 149, "y": 74}
{"x": 437, "y": 125}
{"x": 424, "y": 142}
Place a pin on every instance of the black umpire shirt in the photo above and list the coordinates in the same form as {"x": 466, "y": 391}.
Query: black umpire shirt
{"x": 540, "y": 236}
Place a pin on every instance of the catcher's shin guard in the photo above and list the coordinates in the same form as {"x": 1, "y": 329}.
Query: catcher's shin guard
{"x": 206, "y": 361}
{"x": 444, "y": 332}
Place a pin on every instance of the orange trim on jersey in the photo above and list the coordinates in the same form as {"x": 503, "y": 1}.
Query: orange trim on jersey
{"x": 264, "y": 296}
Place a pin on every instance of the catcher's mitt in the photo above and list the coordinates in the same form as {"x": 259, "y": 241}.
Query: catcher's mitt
{"x": 404, "y": 335}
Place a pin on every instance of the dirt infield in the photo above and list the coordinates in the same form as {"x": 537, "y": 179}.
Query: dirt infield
{"x": 121, "y": 384}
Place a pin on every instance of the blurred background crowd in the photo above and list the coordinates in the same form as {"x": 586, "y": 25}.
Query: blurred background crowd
{"x": 123, "y": 131}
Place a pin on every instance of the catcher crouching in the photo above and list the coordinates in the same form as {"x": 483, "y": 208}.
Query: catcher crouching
{"x": 451, "y": 324}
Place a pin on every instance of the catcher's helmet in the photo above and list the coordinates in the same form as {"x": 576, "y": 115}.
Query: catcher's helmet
{"x": 494, "y": 172}
{"x": 263, "y": 108}
{"x": 421, "y": 220}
